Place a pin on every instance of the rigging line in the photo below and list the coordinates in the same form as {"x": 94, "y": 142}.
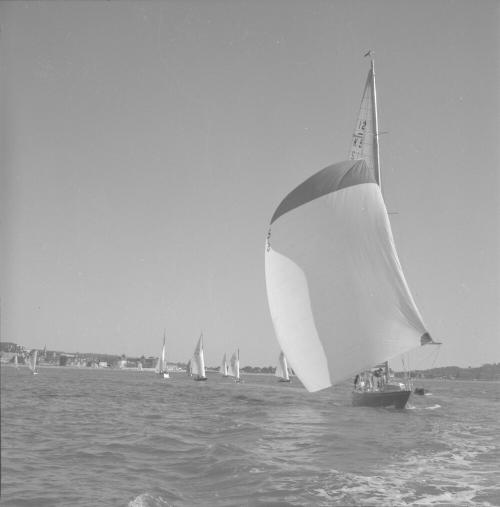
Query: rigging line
{"x": 436, "y": 356}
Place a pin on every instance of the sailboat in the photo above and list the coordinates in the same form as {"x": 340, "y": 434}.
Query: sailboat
{"x": 282, "y": 369}
{"x": 16, "y": 363}
{"x": 337, "y": 294}
{"x": 224, "y": 369}
{"x": 198, "y": 361}
{"x": 234, "y": 366}
{"x": 32, "y": 362}
{"x": 189, "y": 369}
{"x": 161, "y": 365}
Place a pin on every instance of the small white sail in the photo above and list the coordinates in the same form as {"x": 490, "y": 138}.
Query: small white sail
{"x": 16, "y": 364}
{"x": 198, "y": 361}
{"x": 32, "y": 362}
{"x": 161, "y": 364}
{"x": 163, "y": 359}
{"x": 224, "y": 367}
{"x": 282, "y": 368}
{"x": 234, "y": 365}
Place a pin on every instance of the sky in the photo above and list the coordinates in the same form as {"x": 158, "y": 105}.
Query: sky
{"x": 144, "y": 147}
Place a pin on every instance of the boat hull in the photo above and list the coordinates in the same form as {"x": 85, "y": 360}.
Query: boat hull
{"x": 199, "y": 379}
{"x": 397, "y": 399}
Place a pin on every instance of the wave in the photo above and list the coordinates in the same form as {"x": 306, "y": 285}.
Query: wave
{"x": 148, "y": 500}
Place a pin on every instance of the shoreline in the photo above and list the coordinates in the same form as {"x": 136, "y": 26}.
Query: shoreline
{"x": 210, "y": 372}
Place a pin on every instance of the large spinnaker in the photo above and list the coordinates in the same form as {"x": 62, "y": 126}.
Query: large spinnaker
{"x": 336, "y": 291}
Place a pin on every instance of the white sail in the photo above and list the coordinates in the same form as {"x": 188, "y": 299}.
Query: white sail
{"x": 198, "y": 361}
{"x": 16, "y": 364}
{"x": 336, "y": 291}
{"x": 161, "y": 364}
{"x": 163, "y": 357}
{"x": 224, "y": 367}
{"x": 32, "y": 361}
{"x": 364, "y": 144}
{"x": 234, "y": 365}
{"x": 282, "y": 367}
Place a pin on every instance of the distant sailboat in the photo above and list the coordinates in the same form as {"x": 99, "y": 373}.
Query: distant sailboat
{"x": 224, "y": 369}
{"x": 282, "y": 369}
{"x": 16, "y": 364}
{"x": 189, "y": 369}
{"x": 234, "y": 366}
{"x": 336, "y": 291}
{"x": 32, "y": 362}
{"x": 198, "y": 361}
{"x": 161, "y": 365}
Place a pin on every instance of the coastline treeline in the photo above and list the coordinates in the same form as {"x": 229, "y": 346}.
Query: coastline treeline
{"x": 9, "y": 349}
{"x": 484, "y": 372}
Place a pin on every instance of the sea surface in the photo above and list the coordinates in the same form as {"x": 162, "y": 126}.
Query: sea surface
{"x": 83, "y": 437}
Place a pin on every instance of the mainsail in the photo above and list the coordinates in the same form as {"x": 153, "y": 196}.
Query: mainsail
{"x": 161, "y": 365}
{"x": 198, "y": 361}
{"x": 337, "y": 294}
{"x": 364, "y": 144}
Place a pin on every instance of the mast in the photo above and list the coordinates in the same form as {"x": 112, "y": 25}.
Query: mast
{"x": 375, "y": 123}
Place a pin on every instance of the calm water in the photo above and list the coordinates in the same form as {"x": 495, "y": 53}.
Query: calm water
{"x": 103, "y": 437}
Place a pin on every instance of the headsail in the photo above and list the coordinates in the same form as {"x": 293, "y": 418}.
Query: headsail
{"x": 337, "y": 294}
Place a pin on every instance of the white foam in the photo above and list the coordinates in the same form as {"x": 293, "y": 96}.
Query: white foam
{"x": 147, "y": 500}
